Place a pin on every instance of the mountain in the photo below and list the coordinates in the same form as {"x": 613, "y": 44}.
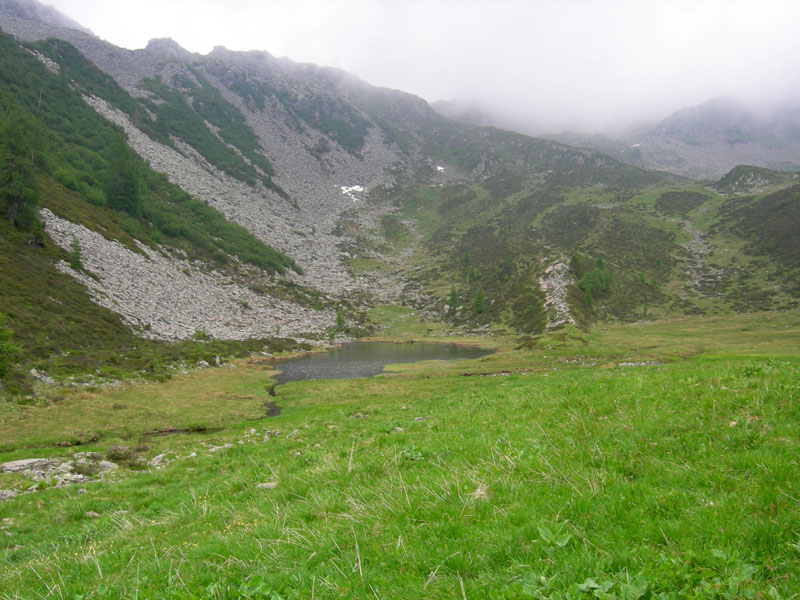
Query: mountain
{"x": 701, "y": 142}
{"x": 33, "y": 11}
{"x": 708, "y": 140}
{"x": 238, "y": 196}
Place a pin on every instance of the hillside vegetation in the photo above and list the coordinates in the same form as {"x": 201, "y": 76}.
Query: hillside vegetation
{"x": 486, "y": 228}
{"x": 57, "y": 153}
{"x": 64, "y": 138}
{"x": 667, "y": 248}
{"x": 633, "y": 436}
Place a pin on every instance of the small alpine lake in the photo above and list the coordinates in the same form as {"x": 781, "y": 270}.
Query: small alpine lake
{"x": 366, "y": 359}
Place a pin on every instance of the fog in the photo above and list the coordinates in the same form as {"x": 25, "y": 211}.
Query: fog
{"x": 586, "y": 65}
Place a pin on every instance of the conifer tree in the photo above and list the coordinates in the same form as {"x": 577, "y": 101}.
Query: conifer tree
{"x": 20, "y": 137}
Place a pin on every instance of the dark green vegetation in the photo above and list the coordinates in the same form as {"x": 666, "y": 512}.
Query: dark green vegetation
{"x": 679, "y": 204}
{"x": 182, "y": 109}
{"x": 569, "y": 477}
{"x": 8, "y": 349}
{"x": 67, "y": 141}
{"x": 76, "y": 67}
{"x": 592, "y": 278}
{"x": 768, "y": 223}
{"x": 667, "y": 247}
{"x": 57, "y": 153}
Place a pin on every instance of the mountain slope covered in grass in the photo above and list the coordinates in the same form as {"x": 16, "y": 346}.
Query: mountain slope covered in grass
{"x": 236, "y": 195}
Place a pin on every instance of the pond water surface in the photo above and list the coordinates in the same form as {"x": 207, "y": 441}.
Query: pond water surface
{"x": 365, "y": 359}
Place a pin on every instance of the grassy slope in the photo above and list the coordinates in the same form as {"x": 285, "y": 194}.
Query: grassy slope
{"x": 670, "y": 480}
{"x": 671, "y": 247}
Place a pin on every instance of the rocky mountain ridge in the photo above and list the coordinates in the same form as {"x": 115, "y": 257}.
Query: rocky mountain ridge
{"x": 304, "y": 226}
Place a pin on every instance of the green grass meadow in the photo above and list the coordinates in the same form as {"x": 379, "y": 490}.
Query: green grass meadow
{"x": 543, "y": 471}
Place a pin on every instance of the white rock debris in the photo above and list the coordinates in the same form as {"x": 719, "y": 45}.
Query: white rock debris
{"x": 554, "y": 285}
{"x": 48, "y": 62}
{"x": 305, "y": 233}
{"x": 80, "y": 468}
{"x": 169, "y": 298}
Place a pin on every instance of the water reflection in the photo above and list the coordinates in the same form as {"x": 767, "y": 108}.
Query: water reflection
{"x": 365, "y": 359}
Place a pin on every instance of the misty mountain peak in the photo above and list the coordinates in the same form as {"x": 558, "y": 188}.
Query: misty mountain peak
{"x": 167, "y": 46}
{"x": 710, "y": 116}
{"x": 31, "y": 10}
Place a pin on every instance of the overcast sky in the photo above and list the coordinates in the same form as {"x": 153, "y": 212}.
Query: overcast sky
{"x": 581, "y": 64}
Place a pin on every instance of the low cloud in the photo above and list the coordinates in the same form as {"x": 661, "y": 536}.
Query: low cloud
{"x": 584, "y": 64}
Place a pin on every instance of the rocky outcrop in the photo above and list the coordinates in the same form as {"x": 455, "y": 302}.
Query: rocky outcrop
{"x": 702, "y": 277}
{"x": 55, "y": 472}
{"x": 554, "y": 284}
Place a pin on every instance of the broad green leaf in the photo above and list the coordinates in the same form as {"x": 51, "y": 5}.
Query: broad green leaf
{"x": 563, "y": 539}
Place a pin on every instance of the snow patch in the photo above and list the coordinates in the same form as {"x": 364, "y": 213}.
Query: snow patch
{"x": 348, "y": 191}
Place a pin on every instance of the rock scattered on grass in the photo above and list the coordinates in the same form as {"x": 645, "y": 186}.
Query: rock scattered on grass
{"x": 268, "y": 485}
{"x": 644, "y": 363}
{"x": 270, "y": 433}
{"x": 218, "y": 448}
{"x": 80, "y": 468}
{"x": 158, "y": 462}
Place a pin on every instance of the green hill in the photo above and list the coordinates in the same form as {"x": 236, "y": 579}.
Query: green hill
{"x": 490, "y": 229}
